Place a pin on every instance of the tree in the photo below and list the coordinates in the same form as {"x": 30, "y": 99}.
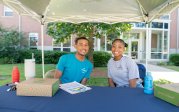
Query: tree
{"x": 62, "y": 31}
{"x": 11, "y": 39}
{"x": 10, "y": 42}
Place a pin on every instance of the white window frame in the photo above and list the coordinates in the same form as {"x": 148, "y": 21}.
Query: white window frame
{"x": 8, "y": 10}
{"x": 33, "y": 35}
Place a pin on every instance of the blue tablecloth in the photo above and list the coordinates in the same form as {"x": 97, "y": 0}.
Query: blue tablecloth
{"x": 99, "y": 99}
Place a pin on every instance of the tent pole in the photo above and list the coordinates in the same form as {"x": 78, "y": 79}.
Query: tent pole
{"x": 42, "y": 44}
{"x": 105, "y": 39}
{"x": 177, "y": 39}
{"x": 147, "y": 46}
{"x": 19, "y": 28}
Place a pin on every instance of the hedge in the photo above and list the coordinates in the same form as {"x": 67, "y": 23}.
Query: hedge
{"x": 50, "y": 57}
{"x": 174, "y": 58}
{"x": 101, "y": 58}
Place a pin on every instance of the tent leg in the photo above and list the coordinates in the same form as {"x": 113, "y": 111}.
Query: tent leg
{"x": 147, "y": 47}
{"x": 42, "y": 45}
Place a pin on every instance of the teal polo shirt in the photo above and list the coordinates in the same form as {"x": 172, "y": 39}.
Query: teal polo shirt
{"x": 73, "y": 69}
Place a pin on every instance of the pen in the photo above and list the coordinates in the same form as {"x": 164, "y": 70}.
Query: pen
{"x": 8, "y": 89}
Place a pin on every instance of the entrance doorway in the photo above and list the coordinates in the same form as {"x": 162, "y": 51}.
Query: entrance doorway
{"x": 134, "y": 47}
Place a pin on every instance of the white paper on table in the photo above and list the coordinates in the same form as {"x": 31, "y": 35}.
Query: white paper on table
{"x": 74, "y": 87}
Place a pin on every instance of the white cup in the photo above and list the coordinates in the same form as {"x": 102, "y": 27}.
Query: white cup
{"x": 29, "y": 68}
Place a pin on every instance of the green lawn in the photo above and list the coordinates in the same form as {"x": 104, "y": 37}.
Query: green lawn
{"x": 98, "y": 81}
{"x": 6, "y": 70}
{"x": 176, "y": 68}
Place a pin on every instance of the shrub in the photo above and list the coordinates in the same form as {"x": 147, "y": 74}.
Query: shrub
{"x": 162, "y": 63}
{"x": 101, "y": 58}
{"x": 162, "y": 81}
{"x": 174, "y": 58}
{"x": 5, "y": 60}
{"x": 10, "y": 55}
{"x": 50, "y": 57}
{"x": 11, "y": 41}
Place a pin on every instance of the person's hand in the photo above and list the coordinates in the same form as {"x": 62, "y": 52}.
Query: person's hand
{"x": 111, "y": 83}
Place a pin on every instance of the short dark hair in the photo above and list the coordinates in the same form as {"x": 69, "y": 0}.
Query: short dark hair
{"x": 120, "y": 40}
{"x": 79, "y": 38}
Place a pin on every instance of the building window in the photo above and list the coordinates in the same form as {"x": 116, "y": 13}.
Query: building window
{"x": 58, "y": 49}
{"x": 33, "y": 40}
{"x": 65, "y": 46}
{"x": 166, "y": 25}
{"x": 157, "y": 25}
{"x": 102, "y": 43}
{"x": 165, "y": 17}
{"x": 7, "y": 11}
{"x": 138, "y": 25}
{"x": 159, "y": 44}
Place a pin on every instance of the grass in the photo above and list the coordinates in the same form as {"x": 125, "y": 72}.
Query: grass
{"x": 6, "y": 70}
{"x": 176, "y": 68}
{"x": 101, "y": 68}
{"x": 98, "y": 81}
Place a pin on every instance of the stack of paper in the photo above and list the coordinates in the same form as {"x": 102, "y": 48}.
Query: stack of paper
{"x": 74, "y": 87}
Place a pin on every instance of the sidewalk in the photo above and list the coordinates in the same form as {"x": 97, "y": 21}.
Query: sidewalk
{"x": 156, "y": 71}
{"x": 163, "y": 73}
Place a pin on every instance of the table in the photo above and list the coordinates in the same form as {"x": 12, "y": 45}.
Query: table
{"x": 99, "y": 99}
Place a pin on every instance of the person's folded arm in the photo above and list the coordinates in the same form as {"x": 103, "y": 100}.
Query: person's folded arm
{"x": 84, "y": 81}
{"x": 110, "y": 82}
{"x": 58, "y": 75}
{"x": 132, "y": 83}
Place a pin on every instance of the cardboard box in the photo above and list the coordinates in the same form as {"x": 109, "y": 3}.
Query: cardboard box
{"x": 38, "y": 87}
{"x": 168, "y": 92}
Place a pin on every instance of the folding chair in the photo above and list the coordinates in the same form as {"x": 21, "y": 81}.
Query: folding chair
{"x": 142, "y": 72}
{"x": 50, "y": 73}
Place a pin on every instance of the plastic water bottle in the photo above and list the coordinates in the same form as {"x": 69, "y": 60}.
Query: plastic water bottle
{"x": 15, "y": 74}
{"x": 148, "y": 83}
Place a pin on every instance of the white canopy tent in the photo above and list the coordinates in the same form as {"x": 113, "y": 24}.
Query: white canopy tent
{"x": 78, "y": 11}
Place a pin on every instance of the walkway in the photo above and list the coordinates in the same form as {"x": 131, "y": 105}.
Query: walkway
{"x": 163, "y": 73}
{"x": 157, "y": 73}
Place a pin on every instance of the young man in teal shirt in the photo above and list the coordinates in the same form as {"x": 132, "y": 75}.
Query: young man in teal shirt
{"x": 75, "y": 67}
